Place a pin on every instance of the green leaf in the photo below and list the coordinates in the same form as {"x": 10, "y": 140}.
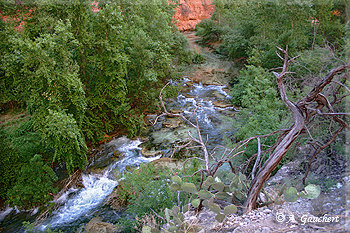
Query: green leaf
{"x": 227, "y": 188}
{"x": 204, "y": 194}
{"x": 223, "y": 196}
{"x": 209, "y": 181}
{"x": 189, "y": 188}
{"x": 175, "y": 187}
{"x": 312, "y": 191}
{"x": 242, "y": 177}
{"x": 230, "y": 209}
{"x": 177, "y": 180}
{"x": 290, "y": 194}
{"x": 234, "y": 184}
{"x": 177, "y": 220}
{"x": 239, "y": 195}
{"x": 205, "y": 203}
{"x": 173, "y": 228}
{"x": 146, "y": 229}
{"x": 181, "y": 216}
{"x": 215, "y": 208}
{"x": 219, "y": 186}
{"x": 196, "y": 202}
{"x": 220, "y": 217}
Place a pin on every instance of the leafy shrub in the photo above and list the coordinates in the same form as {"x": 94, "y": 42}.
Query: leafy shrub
{"x": 63, "y": 139}
{"x": 262, "y": 25}
{"x": 208, "y": 30}
{"x": 256, "y": 85}
{"x": 30, "y": 228}
{"x": 34, "y": 184}
{"x": 26, "y": 141}
{"x": 10, "y": 164}
{"x": 144, "y": 190}
{"x": 197, "y": 58}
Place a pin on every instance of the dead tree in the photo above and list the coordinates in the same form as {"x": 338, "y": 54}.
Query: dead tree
{"x": 301, "y": 113}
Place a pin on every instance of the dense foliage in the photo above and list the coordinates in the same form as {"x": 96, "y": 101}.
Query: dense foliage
{"x": 146, "y": 191}
{"x": 34, "y": 184}
{"x": 81, "y": 71}
{"x": 249, "y": 28}
{"x": 248, "y": 33}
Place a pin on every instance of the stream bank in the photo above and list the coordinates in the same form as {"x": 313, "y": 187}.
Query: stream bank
{"x": 204, "y": 88}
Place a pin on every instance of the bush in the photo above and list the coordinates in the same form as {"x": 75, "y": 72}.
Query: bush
{"x": 262, "y": 110}
{"x": 34, "y": 185}
{"x": 10, "y": 164}
{"x": 209, "y": 31}
{"x": 63, "y": 139}
{"x": 262, "y": 25}
{"x": 146, "y": 190}
{"x": 198, "y": 58}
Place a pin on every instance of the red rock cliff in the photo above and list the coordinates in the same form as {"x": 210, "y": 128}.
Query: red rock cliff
{"x": 191, "y": 12}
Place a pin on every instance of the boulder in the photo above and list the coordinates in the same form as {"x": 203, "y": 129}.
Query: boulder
{"x": 189, "y": 96}
{"x": 150, "y": 153}
{"x": 114, "y": 201}
{"x": 168, "y": 162}
{"x": 176, "y": 111}
{"x": 220, "y": 104}
{"x": 97, "y": 226}
{"x": 189, "y": 83}
{"x": 172, "y": 123}
{"x": 117, "y": 154}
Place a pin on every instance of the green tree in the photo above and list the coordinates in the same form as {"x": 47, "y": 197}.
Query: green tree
{"x": 261, "y": 25}
{"x": 10, "y": 164}
{"x": 34, "y": 184}
{"x": 63, "y": 139}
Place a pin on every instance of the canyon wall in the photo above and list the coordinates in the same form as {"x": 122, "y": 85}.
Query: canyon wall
{"x": 191, "y": 12}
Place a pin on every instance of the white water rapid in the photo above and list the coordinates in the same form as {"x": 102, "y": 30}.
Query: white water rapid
{"x": 80, "y": 207}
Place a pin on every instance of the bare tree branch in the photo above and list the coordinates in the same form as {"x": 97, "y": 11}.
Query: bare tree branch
{"x": 320, "y": 149}
{"x": 257, "y": 158}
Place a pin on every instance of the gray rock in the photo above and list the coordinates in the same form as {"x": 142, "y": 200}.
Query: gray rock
{"x": 97, "y": 226}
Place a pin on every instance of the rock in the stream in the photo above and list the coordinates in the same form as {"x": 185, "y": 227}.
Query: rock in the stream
{"x": 176, "y": 111}
{"x": 189, "y": 96}
{"x": 172, "y": 123}
{"x": 168, "y": 162}
{"x": 220, "y": 104}
{"x": 150, "y": 153}
{"x": 189, "y": 83}
{"x": 117, "y": 154}
{"x": 113, "y": 199}
{"x": 97, "y": 226}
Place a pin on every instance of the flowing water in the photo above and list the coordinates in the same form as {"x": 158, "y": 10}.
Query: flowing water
{"x": 79, "y": 205}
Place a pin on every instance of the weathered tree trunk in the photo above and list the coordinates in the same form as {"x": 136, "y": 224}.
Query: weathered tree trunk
{"x": 300, "y": 116}
{"x": 282, "y": 148}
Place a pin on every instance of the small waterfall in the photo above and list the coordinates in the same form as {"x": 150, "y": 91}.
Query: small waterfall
{"x": 95, "y": 190}
{"x": 4, "y": 213}
{"x": 80, "y": 207}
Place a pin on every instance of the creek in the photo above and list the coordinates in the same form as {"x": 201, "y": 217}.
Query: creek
{"x": 203, "y": 90}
